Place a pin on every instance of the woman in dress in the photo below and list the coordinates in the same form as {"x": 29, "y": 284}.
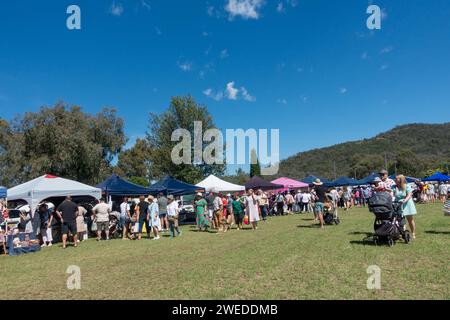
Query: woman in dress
{"x": 81, "y": 227}
{"x": 252, "y": 205}
{"x": 201, "y": 213}
{"x": 403, "y": 194}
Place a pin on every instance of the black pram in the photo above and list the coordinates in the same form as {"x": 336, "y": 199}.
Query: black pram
{"x": 389, "y": 224}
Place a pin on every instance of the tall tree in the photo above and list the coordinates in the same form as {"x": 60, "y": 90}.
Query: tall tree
{"x": 255, "y": 167}
{"x": 61, "y": 140}
{"x": 134, "y": 162}
{"x": 181, "y": 114}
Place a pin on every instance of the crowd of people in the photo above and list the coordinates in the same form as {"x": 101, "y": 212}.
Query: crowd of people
{"x": 216, "y": 211}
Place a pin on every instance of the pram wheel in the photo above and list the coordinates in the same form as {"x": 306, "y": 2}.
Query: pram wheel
{"x": 407, "y": 236}
{"x": 391, "y": 242}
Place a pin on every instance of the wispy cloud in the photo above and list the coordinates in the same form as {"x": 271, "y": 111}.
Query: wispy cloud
{"x": 185, "y": 66}
{"x": 230, "y": 93}
{"x": 158, "y": 31}
{"x": 386, "y": 50}
{"x": 282, "y": 101}
{"x": 246, "y": 9}
{"x": 280, "y": 7}
{"x": 384, "y": 67}
{"x": 364, "y": 56}
{"x": 224, "y": 54}
{"x": 116, "y": 9}
{"x": 343, "y": 90}
{"x": 146, "y": 5}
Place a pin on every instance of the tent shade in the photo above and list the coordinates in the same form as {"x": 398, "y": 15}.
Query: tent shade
{"x": 214, "y": 184}
{"x": 171, "y": 186}
{"x": 48, "y": 186}
{"x": 116, "y": 186}
{"x": 310, "y": 179}
{"x": 3, "y": 192}
{"x": 437, "y": 177}
{"x": 259, "y": 183}
{"x": 288, "y": 183}
{"x": 342, "y": 182}
{"x": 367, "y": 180}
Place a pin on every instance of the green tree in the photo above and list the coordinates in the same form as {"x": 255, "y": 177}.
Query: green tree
{"x": 255, "y": 167}
{"x": 135, "y": 161}
{"x": 240, "y": 177}
{"x": 361, "y": 165}
{"x": 60, "y": 140}
{"x": 182, "y": 113}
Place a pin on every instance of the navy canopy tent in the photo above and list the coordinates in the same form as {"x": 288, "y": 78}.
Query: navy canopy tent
{"x": 437, "y": 177}
{"x": 171, "y": 186}
{"x": 116, "y": 186}
{"x": 342, "y": 182}
{"x": 310, "y": 179}
{"x": 259, "y": 183}
{"x": 367, "y": 180}
{"x": 408, "y": 179}
{"x": 2, "y": 192}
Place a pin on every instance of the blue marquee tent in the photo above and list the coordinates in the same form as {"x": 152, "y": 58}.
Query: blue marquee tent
{"x": 3, "y": 191}
{"x": 310, "y": 179}
{"x": 116, "y": 186}
{"x": 171, "y": 186}
{"x": 342, "y": 182}
{"x": 437, "y": 177}
{"x": 367, "y": 180}
{"x": 408, "y": 179}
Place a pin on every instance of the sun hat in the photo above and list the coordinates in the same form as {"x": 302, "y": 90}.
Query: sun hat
{"x": 199, "y": 194}
{"x": 229, "y": 195}
{"x": 317, "y": 182}
{"x": 383, "y": 172}
{"x": 170, "y": 197}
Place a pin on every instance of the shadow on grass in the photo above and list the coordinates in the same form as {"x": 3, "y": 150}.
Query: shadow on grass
{"x": 311, "y": 226}
{"x": 367, "y": 234}
{"x": 437, "y": 232}
{"x": 363, "y": 242}
{"x": 207, "y": 231}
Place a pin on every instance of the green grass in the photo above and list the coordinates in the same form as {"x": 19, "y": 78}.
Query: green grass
{"x": 284, "y": 259}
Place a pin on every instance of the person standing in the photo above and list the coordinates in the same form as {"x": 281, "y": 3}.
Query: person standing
{"x": 387, "y": 183}
{"x": 252, "y": 205}
{"x": 403, "y": 194}
{"x": 142, "y": 217}
{"x": 125, "y": 218}
{"x": 201, "y": 211}
{"x": 306, "y": 199}
{"x": 218, "y": 211}
{"x": 153, "y": 216}
{"x": 289, "y": 202}
{"x": 238, "y": 211}
{"x": 81, "y": 226}
{"x": 280, "y": 204}
{"x": 263, "y": 204}
{"x": 210, "y": 203}
{"x": 46, "y": 232}
{"x": 101, "y": 216}
{"x": 67, "y": 213}
{"x": 442, "y": 191}
{"x": 162, "y": 204}
{"x": 172, "y": 215}
{"x": 320, "y": 200}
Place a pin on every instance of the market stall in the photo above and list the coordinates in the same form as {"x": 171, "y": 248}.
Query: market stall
{"x": 290, "y": 184}
{"x": 214, "y": 184}
{"x": 116, "y": 186}
{"x": 171, "y": 186}
{"x": 256, "y": 183}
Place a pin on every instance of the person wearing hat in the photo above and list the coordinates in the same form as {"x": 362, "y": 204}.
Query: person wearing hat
{"x": 172, "y": 214}
{"x": 387, "y": 183}
{"x": 320, "y": 200}
{"x": 201, "y": 211}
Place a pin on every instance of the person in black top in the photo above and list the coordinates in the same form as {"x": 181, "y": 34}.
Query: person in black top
{"x": 67, "y": 212}
{"x": 143, "y": 217}
{"x": 320, "y": 199}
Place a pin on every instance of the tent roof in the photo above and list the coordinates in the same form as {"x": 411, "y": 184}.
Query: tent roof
{"x": 310, "y": 179}
{"x": 214, "y": 184}
{"x": 3, "y": 192}
{"x": 368, "y": 180}
{"x": 343, "y": 181}
{"x": 437, "y": 177}
{"x": 49, "y": 186}
{"x": 408, "y": 179}
{"x": 116, "y": 186}
{"x": 170, "y": 185}
{"x": 288, "y": 183}
{"x": 259, "y": 183}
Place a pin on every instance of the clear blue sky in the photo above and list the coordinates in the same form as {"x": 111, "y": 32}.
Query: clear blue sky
{"x": 309, "y": 67}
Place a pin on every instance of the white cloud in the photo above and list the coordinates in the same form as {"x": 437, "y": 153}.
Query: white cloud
{"x": 158, "y": 31}
{"x": 116, "y": 9}
{"x": 185, "y": 66}
{"x": 282, "y": 101}
{"x": 247, "y": 9}
{"x": 365, "y": 56}
{"x": 384, "y": 67}
{"x": 224, "y": 54}
{"x": 387, "y": 50}
{"x": 247, "y": 96}
{"x": 343, "y": 90}
{"x": 232, "y": 92}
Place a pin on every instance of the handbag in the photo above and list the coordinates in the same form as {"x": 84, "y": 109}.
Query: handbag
{"x": 94, "y": 226}
{"x": 246, "y": 220}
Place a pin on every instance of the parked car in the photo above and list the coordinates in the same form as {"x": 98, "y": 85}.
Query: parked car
{"x": 187, "y": 212}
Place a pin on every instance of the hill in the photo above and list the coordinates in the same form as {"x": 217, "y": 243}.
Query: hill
{"x": 413, "y": 149}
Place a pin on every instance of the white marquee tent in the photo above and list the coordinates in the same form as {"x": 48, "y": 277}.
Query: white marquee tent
{"x": 214, "y": 184}
{"x": 48, "y": 186}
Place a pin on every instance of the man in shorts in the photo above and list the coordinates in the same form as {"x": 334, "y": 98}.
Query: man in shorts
{"x": 162, "y": 203}
{"x": 101, "y": 216}
{"x": 320, "y": 200}
{"x": 67, "y": 213}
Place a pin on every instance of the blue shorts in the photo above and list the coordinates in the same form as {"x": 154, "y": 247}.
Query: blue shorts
{"x": 318, "y": 207}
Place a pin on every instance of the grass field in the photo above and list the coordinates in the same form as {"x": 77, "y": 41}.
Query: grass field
{"x": 284, "y": 259}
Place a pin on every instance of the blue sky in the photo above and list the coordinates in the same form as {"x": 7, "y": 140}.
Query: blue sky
{"x": 308, "y": 67}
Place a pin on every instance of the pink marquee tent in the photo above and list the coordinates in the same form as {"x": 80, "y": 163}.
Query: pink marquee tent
{"x": 288, "y": 183}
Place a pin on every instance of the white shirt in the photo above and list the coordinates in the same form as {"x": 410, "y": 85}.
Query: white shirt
{"x": 172, "y": 209}
{"x": 124, "y": 209}
{"x": 306, "y": 197}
